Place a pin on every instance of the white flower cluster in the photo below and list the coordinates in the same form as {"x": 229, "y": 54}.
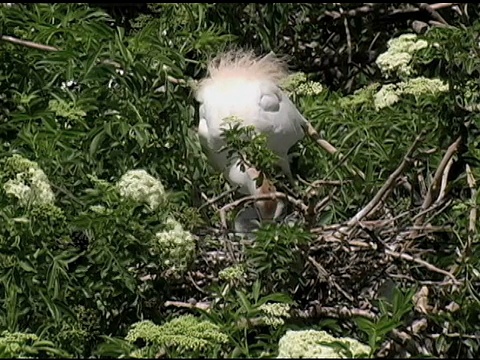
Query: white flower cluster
{"x": 307, "y": 344}
{"x": 396, "y": 60}
{"x": 309, "y": 88}
{"x": 175, "y": 245}
{"x": 232, "y": 273}
{"x": 67, "y": 110}
{"x": 297, "y": 84}
{"x": 99, "y": 209}
{"x": 141, "y": 187}
{"x": 389, "y": 94}
{"x": 274, "y": 313}
{"x": 30, "y": 184}
{"x": 386, "y": 96}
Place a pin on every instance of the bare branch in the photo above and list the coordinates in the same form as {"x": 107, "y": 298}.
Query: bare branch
{"x": 472, "y": 228}
{"x": 198, "y": 305}
{"x": 422, "y": 263}
{"x": 218, "y": 197}
{"x": 433, "y": 12}
{"x": 432, "y": 189}
{"x": 27, "y": 43}
{"x": 334, "y": 312}
{"x": 386, "y": 188}
{"x": 253, "y": 198}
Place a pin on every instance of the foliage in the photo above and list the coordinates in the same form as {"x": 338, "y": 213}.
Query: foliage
{"x": 108, "y": 244}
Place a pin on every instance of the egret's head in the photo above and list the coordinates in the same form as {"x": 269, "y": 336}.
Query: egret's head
{"x": 232, "y": 65}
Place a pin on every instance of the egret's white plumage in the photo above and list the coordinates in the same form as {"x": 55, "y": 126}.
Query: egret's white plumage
{"x": 242, "y": 85}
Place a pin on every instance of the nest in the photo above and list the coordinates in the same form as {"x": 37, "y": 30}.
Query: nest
{"x": 348, "y": 267}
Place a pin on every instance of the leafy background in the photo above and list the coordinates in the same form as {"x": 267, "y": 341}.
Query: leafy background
{"x": 112, "y": 92}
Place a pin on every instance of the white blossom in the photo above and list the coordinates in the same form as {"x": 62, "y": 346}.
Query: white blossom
{"x": 396, "y": 60}
{"x": 297, "y": 84}
{"x": 141, "y": 187}
{"x": 391, "y": 93}
{"x": 422, "y": 85}
{"x": 30, "y": 184}
{"x": 274, "y": 313}
{"x": 175, "y": 245}
{"x": 386, "y": 96}
{"x": 307, "y": 344}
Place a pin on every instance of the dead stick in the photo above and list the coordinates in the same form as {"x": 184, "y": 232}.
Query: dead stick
{"x": 27, "y": 43}
{"x": 334, "y": 312}
{"x": 198, "y": 305}
{"x": 472, "y": 220}
{"x": 473, "y": 211}
{"x": 452, "y": 149}
{"x": 422, "y": 263}
{"x": 38, "y": 46}
{"x": 252, "y": 198}
{"x": 219, "y": 197}
{"x": 387, "y": 187}
{"x": 432, "y": 12}
{"x": 443, "y": 186}
{"x": 312, "y": 133}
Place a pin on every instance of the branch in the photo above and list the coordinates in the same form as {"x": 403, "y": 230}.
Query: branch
{"x": 433, "y": 12}
{"x": 334, "y": 312}
{"x": 422, "y": 263}
{"x": 312, "y": 132}
{"x": 43, "y": 47}
{"x": 253, "y": 198}
{"x": 386, "y": 188}
{"x": 362, "y": 10}
{"x": 197, "y": 305}
{"x": 219, "y": 197}
{"x": 27, "y": 43}
{"x": 325, "y": 276}
{"x": 452, "y": 149}
{"x": 472, "y": 229}
{"x": 366, "y": 9}
{"x": 443, "y": 186}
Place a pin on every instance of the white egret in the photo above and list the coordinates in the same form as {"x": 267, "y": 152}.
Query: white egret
{"x": 241, "y": 85}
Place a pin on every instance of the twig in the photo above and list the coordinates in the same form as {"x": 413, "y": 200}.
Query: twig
{"x": 366, "y": 9}
{"x": 219, "y": 197}
{"x": 387, "y": 187}
{"x": 321, "y": 183}
{"x": 323, "y": 203}
{"x": 312, "y": 132}
{"x": 252, "y": 198}
{"x": 433, "y": 12}
{"x": 423, "y": 282}
{"x": 43, "y": 47}
{"x": 198, "y": 305}
{"x": 349, "y": 37}
{"x": 189, "y": 275}
{"x": 454, "y": 335}
{"x": 472, "y": 220}
{"x": 362, "y": 10}
{"x": 473, "y": 211}
{"x": 326, "y": 276}
{"x": 27, "y": 43}
{"x": 452, "y": 149}
{"x": 333, "y": 312}
{"x": 430, "y": 209}
{"x": 421, "y": 262}
{"x": 434, "y": 7}
{"x": 443, "y": 186}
